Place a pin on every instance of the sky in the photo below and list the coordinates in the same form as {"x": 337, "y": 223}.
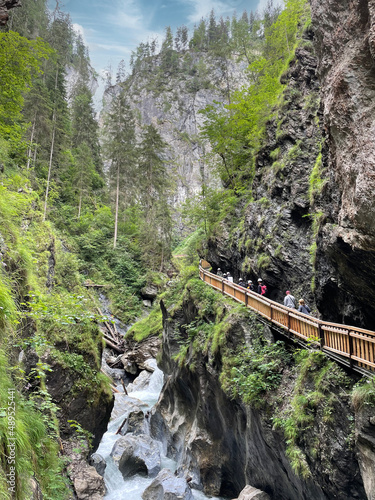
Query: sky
{"x": 112, "y": 29}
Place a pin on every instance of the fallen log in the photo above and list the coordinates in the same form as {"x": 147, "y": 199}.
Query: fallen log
{"x": 112, "y": 345}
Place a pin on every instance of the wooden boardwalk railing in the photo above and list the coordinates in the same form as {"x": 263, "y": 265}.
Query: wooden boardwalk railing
{"x": 349, "y": 345}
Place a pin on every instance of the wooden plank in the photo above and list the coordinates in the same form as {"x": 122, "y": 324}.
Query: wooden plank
{"x": 362, "y": 361}
{"x": 358, "y": 336}
{"x": 342, "y": 353}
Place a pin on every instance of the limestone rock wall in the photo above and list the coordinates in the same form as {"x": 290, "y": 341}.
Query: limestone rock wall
{"x": 344, "y": 44}
{"x": 174, "y": 108}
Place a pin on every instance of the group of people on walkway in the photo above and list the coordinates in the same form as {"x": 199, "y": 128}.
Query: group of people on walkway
{"x": 289, "y": 299}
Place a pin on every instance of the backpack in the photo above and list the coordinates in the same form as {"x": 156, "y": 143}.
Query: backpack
{"x": 264, "y": 290}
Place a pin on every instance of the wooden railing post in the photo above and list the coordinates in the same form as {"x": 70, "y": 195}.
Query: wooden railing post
{"x": 350, "y": 349}
{"x": 321, "y": 335}
{"x": 288, "y": 325}
{"x": 246, "y": 299}
{"x": 222, "y": 286}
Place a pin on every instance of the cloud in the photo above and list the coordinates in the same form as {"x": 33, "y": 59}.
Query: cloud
{"x": 113, "y": 48}
{"x": 202, "y": 9}
{"x": 79, "y": 29}
{"x": 126, "y": 14}
{"x": 224, "y": 8}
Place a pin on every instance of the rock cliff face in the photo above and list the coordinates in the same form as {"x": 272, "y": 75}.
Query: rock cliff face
{"x": 174, "y": 108}
{"x": 223, "y": 444}
{"x": 276, "y": 239}
{"x": 5, "y": 6}
{"x": 344, "y": 44}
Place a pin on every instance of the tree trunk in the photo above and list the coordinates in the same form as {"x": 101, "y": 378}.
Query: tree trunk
{"x": 52, "y": 148}
{"x": 117, "y": 200}
{"x": 29, "y": 149}
{"x": 80, "y": 193}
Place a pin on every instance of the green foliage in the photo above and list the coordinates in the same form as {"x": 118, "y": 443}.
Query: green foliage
{"x": 263, "y": 261}
{"x": 363, "y": 393}
{"x": 36, "y": 448}
{"x": 316, "y": 181}
{"x": 312, "y": 401}
{"x": 20, "y": 59}
{"x": 152, "y": 325}
{"x": 253, "y": 371}
{"x": 236, "y": 130}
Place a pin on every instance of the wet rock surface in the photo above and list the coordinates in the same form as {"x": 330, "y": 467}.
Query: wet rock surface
{"x": 251, "y": 493}
{"x": 137, "y": 455}
{"x": 167, "y": 486}
{"x": 98, "y": 462}
{"x": 137, "y": 354}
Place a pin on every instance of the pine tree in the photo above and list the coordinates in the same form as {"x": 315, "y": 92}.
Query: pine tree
{"x": 168, "y": 56}
{"x": 119, "y": 148}
{"x": 154, "y": 185}
{"x": 61, "y": 38}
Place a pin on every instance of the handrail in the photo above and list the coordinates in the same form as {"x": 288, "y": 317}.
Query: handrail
{"x": 352, "y": 346}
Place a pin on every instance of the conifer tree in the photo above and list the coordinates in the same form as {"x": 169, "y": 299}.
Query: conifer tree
{"x": 119, "y": 148}
{"x": 60, "y": 38}
{"x": 154, "y": 187}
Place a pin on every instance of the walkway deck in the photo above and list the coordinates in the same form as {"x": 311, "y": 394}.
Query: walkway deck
{"x": 351, "y": 346}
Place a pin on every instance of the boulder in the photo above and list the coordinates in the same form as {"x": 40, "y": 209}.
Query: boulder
{"x": 149, "y": 292}
{"x": 89, "y": 485}
{"x": 167, "y": 486}
{"x": 135, "y": 424}
{"x": 251, "y": 493}
{"x": 137, "y": 455}
{"x": 115, "y": 374}
{"x": 137, "y": 354}
{"x": 140, "y": 383}
{"x": 125, "y": 405}
{"x": 98, "y": 462}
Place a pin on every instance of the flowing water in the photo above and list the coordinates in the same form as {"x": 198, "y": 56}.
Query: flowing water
{"x": 132, "y": 488}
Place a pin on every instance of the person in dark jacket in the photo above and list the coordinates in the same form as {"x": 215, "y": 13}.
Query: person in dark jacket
{"x": 219, "y": 272}
{"x": 303, "y": 308}
{"x": 250, "y": 286}
{"x": 241, "y": 282}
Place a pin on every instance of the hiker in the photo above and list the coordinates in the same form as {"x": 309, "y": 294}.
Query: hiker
{"x": 229, "y": 277}
{"x": 262, "y": 288}
{"x": 241, "y": 282}
{"x": 303, "y": 308}
{"x": 289, "y": 300}
{"x": 250, "y": 286}
{"x": 219, "y": 272}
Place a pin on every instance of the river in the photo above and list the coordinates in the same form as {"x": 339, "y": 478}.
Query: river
{"x": 132, "y": 488}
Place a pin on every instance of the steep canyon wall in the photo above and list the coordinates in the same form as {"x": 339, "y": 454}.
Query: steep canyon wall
{"x": 224, "y": 444}
{"x": 344, "y": 44}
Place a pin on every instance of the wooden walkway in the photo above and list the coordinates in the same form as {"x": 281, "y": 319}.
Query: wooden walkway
{"x": 351, "y": 346}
